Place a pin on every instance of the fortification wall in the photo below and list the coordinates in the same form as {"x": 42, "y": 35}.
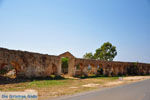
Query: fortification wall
{"x": 28, "y": 64}
{"x": 112, "y": 68}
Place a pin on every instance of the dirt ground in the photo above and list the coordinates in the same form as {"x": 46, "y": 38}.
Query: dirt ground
{"x": 52, "y": 88}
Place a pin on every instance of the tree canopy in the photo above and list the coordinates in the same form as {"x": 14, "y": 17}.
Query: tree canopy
{"x": 106, "y": 52}
{"x": 88, "y": 55}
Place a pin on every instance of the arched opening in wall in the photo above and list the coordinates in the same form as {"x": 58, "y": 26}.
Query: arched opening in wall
{"x": 54, "y": 68}
{"x": 64, "y": 65}
{"x": 100, "y": 70}
{"x": 7, "y": 70}
{"x": 89, "y": 69}
{"x": 77, "y": 67}
{"x": 77, "y": 70}
{"x": 132, "y": 69}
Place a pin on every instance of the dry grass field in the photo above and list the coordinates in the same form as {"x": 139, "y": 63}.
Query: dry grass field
{"x": 49, "y": 88}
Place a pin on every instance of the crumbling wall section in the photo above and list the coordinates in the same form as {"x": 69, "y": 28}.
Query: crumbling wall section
{"x": 30, "y": 65}
{"x": 112, "y": 68}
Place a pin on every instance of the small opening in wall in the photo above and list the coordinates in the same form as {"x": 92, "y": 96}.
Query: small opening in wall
{"x": 98, "y": 67}
{"x": 77, "y": 67}
{"x": 89, "y": 67}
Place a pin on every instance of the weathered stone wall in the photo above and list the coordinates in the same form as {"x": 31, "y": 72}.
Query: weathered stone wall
{"x": 29, "y": 64}
{"x": 112, "y": 68}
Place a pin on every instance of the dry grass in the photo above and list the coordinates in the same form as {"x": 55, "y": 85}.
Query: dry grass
{"x": 52, "y": 88}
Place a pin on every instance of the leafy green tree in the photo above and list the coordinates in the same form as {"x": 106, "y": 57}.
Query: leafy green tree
{"x": 106, "y": 52}
{"x": 88, "y": 56}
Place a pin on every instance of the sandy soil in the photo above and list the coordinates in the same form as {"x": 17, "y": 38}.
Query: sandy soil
{"x": 125, "y": 80}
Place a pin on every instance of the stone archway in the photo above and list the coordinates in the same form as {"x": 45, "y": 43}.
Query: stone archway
{"x": 71, "y": 60}
{"x": 54, "y": 69}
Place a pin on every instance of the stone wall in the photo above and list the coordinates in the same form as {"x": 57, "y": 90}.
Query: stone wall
{"x": 30, "y": 65}
{"x": 112, "y": 68}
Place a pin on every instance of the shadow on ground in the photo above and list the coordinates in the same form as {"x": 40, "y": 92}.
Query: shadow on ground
{"x": 94, "y": 76}
{"x": 8, "y": 80}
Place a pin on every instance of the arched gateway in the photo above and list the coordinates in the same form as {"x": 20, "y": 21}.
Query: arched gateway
{"x": 71, "y": 60}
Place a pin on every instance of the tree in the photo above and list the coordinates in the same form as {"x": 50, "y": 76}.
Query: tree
{"x": 88, "y": 56}
{"x": 106, "y": 52}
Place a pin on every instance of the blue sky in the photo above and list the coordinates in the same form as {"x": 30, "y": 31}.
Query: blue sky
{"x": 79, "y": 26}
